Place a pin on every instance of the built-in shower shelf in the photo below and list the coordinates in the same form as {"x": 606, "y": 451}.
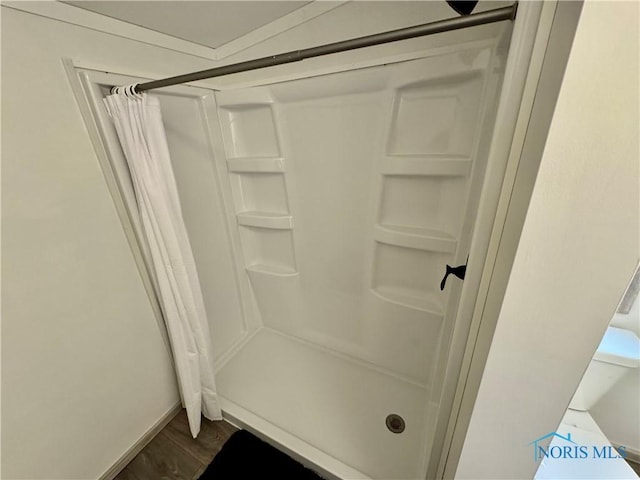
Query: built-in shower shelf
{"x": 407, "y": 298}
{"x": 256, "y": 165}
{"x": 265, "y": 220}
{"x": 436, "y": 165}
{"x": 271, "y": 270}
{"x": 414, "y": 237}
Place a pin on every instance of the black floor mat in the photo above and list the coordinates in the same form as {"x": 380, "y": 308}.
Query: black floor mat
{"x": 245, "y": 456}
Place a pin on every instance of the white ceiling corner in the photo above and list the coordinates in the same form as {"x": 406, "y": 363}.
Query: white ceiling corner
{"x": 240, "y": 33}
{"x": 210, "y": 24}
{"x": 299, "y": 16}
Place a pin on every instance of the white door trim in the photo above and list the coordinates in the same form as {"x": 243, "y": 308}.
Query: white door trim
{"x": 85, "y": 86}
{"x": 544, "y": 72}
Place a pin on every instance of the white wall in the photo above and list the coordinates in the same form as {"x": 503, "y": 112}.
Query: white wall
{"x": 578, "y": 249}
{"x": 84, "y": 369}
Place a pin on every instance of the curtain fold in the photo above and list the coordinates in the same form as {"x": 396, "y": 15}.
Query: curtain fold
{"x": 138, "y": 122}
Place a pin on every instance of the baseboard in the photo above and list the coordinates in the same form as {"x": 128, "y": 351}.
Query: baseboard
{"x": 632, "y": 455}
{"x": 124, "y": 460}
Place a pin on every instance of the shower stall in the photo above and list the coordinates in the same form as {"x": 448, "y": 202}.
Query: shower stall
{"x": 351, "y": 193}
{"x": 323, "y": 210}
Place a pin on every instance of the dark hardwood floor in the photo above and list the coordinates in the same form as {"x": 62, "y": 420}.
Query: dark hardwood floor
{"x": 174, "y": 455}
{"x": 635, "y": 466}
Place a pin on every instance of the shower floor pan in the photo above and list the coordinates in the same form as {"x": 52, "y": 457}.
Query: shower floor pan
{"x": 326, "y": 410}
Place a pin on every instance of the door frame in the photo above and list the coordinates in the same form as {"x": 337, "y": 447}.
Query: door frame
{"x": 552, "y": 41}
{"x": 86, "y": 85}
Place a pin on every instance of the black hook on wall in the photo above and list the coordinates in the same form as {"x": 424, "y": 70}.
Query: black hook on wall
{"x": 459, "y": 271}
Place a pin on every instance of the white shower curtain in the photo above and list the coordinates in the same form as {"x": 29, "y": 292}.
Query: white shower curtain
{"x": 138, "y": 122}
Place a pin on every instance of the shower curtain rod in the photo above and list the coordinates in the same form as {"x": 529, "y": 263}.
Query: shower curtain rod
{"x": 490, "y": 16}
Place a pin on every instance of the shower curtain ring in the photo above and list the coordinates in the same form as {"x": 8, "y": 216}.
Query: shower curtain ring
{"x": 130, "y": 91}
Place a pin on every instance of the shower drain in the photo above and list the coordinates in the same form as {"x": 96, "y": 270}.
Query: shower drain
{"x": 395, "y": 423}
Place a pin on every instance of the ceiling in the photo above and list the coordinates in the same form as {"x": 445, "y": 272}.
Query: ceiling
{"x": 208, "y": 23}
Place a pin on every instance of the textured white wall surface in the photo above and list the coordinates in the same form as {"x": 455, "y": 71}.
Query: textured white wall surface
{"x": 84, "y": 369}
{"x": 577, "y": 252}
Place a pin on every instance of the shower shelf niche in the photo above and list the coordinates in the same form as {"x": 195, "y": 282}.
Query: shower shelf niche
{"x": 262, "y": 269}
{"x": 410, "y": 276}
{"x": 249, "y": 131}
{"x": 256, "y": 165}
{"x": 275, "y": 289}
{"x": 256, "y": 168}
{"x": 415, "y": 237}
{"x": 424, "y": 302}
{"x": 265, "y": 220}
{"x": 260, "y": 192}
{"x": 271, "y": 248}
{"x": 430, "y": 204}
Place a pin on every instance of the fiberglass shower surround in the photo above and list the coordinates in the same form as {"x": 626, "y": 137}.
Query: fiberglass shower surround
{"x": 336, "y": 203}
